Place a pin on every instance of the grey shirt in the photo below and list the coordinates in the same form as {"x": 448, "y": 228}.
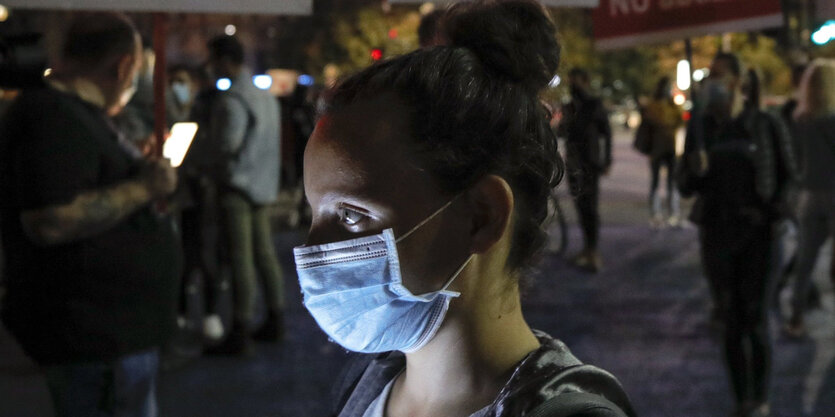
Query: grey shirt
{"x": 815, "y": 140}
{"x": 244, "y": 129}
{"x": 378, "y": 406}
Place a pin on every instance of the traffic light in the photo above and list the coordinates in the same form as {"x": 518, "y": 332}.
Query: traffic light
{"x": 376, "y": 54}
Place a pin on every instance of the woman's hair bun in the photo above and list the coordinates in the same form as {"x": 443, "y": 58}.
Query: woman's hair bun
{"x": 515, "y": 39}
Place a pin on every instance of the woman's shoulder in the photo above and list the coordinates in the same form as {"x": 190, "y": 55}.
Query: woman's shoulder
{"x": 553, "y": 371}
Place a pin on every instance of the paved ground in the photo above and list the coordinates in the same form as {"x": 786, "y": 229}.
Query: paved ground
{"x": 643, "y": 319}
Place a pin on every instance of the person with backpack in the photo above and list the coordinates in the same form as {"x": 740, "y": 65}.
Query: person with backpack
{"x": 814, "y": 132}
{"x": 244, "y": 133}
{"x": 738, "y": 161}
{"x": 429, "y": 176}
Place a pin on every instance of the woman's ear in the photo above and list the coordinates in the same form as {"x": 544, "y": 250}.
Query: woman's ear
{"x": 492, "y": 204}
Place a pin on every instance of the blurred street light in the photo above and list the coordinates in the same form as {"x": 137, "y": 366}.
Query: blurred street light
{"x": 262, "y": 81}
{"x": 305, "y": 79}
{"x": 376, "y": 54}
{"x": 683, "y": 75}
{"x": 825, "y": 34}
{"x": 4, "y": 13}
{"x": 426, "y": 8}
{"x": 230, "y": 30}
{"x": 223, "y": 84}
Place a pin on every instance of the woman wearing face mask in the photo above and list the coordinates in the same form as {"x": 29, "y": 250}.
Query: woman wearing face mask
{"x": 748, "y": 165}
{"x": 429, "y": 177}
{"x": 180, "y": 97}
{"x": 815, "y": 135}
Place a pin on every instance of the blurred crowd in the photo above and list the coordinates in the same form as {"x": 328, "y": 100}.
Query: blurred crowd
{"x": 116, "y": 235}
{"x": 756, "y": 175}
{"x": 119, "y": 238}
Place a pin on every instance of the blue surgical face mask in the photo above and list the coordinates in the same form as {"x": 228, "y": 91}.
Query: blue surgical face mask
{"x": 181, "y": 91}
{"x": 354, "y": 289}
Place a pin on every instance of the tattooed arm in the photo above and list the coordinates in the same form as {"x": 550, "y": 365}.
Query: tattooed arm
{"x": 97, "y": 211}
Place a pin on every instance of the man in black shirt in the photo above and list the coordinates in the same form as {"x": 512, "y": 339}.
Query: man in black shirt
{"x": 92, "y": 268}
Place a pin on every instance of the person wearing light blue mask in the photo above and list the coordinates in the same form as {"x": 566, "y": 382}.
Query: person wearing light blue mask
{"x": 428, "y": 195}
{"x": 179, "y": 98}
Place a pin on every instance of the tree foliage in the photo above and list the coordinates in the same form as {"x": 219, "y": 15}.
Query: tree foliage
{"x": 352, "y": 32}
{"x": 630, "y": 72}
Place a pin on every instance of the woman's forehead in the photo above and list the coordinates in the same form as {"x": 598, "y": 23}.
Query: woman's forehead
{"x": 360, "y": 145}
{"x": 369, "y": 129}
{"x": 365, "y": 149}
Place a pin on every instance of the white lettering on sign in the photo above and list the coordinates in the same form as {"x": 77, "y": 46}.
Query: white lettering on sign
{"x": 628, "y": 6}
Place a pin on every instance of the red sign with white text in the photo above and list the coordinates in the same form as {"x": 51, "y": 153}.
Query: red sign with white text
{"x": 623, "y": 23}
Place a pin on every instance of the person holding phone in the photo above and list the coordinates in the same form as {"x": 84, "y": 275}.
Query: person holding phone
{"x": 92, "y": 268}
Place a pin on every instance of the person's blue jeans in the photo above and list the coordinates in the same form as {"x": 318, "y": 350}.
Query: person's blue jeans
{"x": 125, "y": 387}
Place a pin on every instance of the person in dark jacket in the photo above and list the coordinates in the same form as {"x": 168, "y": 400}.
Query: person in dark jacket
{"x": 585, "y": 125}
{"x": 739, "y": 160}
{"x": 429, "y": 177}
{"x": 92, "y": 267}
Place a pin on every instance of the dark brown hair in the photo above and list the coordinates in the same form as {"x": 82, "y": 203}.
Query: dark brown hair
{"x": 476, "y": 110}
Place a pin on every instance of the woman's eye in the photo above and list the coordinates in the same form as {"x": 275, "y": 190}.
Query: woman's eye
{"x": 350, "y": 217}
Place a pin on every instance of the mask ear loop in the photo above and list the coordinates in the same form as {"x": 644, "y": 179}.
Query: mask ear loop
{"x": 426, "y": 220}
{"x": 443, "y": 289}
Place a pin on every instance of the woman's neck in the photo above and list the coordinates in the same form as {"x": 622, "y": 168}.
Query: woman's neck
{"x": 468, "y": 361}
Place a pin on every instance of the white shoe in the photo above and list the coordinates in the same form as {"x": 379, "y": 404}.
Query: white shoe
{"x": 213, "y": 327}
{"x": 674, "y": 221}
